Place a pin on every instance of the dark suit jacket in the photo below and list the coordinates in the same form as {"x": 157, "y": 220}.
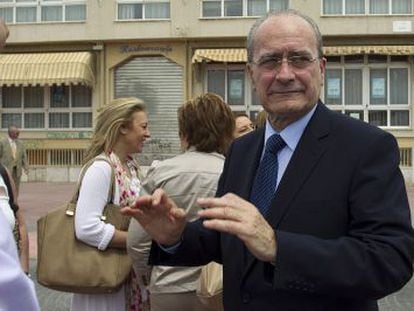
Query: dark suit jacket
{"x": 340, "y": 215}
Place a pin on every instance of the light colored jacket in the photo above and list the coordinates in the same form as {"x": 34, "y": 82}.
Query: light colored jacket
{"x": 185, "y": 178}
{"x": 6, "y": 157}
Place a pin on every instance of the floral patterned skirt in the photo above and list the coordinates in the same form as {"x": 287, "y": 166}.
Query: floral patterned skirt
{"x": 137, "y": 298}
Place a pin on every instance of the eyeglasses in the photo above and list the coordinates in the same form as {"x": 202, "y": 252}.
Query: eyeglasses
{"x": 275, "y": 62}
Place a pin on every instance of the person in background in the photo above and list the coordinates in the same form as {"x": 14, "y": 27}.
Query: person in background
{"x": 311, "y": 211}
{"x": 17, "y": 291}
{"x": 206, "y": 128}
{"x": 120, "y": 132}
{"x": 243, "y": 124}
{"x": 261, "y": 119}
{"x": 13, "y": 155}
{"x": 8, "y": 195}
{"x": 14, "y": 215}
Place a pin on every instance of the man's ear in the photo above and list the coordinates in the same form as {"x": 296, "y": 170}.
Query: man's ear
{"x": 250, "y": 74}
{"x": 322, "y": 68}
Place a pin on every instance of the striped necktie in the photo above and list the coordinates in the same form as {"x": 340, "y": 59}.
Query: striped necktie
{"x": 264, "y": 184}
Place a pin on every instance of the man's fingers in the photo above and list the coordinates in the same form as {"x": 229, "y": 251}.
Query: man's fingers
{"x": 224, "y": 212}
{"x": 211, "y": 202}
{"x": 178, "y": 213}
{"x": 228, "y": 199}
{"x": 159, "y": 197}
{"x": 227, "y": 226}
{"x": 129, "y": 211}
{"x": 145, "y": 200}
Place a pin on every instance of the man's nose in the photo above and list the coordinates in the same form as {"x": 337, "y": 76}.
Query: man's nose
{"x": 285, "y": 72}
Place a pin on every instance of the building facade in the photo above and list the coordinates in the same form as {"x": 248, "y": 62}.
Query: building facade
{"x": 64, "y": 59}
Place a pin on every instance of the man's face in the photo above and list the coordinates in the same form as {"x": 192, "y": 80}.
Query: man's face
{"x": 14, "y": 132}
{"x": 286, "y": 91}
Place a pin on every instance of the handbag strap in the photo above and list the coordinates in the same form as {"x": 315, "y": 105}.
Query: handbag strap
{"x": 70, "y": 211}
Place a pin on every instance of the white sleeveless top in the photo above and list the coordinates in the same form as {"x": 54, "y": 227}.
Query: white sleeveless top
{"x": 4, "y": 204}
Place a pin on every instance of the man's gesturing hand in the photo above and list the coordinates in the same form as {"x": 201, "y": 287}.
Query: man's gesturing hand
{"x": 159, "y": 216}
{"x": 232, "y": 214}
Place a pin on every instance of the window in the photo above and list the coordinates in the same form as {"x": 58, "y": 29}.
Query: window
{"x": 401, "y": 7}
{"x": 406, "y": 158}
{"x": 55, "y": 107}
{"x": 40, "y": 11}
{"x": 225, "y": 8}
{"x": 232, "y": 84}
{"x": 372, "y": 88}
{"x": 143, "y": 9}
{"x": 76, "y": 12}
{"x": 51, "y": 13}
{"x": 211, "y": 8}
{"x": 233, "y": 7}
{"x": 70, "y": 107}
{"x": 374, "y": 7}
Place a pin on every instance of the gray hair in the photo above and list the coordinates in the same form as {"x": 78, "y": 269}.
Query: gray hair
{"x": 252, "y": 33}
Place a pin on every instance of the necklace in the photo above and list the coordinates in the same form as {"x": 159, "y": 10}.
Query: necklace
{"x": 127, "y": 179}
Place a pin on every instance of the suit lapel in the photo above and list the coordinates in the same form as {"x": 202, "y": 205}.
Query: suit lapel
{"x": 251, "y": 151}
{"x": 245, "y": 157}
{"x": 309, "y": 150}
{"x": 311, "y": 146}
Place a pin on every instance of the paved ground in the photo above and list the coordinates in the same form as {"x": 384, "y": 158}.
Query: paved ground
{"x": 38, "y": 198}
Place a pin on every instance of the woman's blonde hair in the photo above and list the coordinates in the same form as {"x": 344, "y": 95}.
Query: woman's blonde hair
{"x": 111, "y": 118}
{"x": 207, "y": 123}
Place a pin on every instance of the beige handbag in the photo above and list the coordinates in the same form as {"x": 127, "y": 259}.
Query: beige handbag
{"x": 66, "y": 264}
{"x": 210, "y": 286}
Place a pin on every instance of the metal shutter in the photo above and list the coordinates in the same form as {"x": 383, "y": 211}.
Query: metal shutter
{"x": 159, "y": 82}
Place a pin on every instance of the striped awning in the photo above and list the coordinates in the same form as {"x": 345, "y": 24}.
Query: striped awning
{"x": 47, "y": 69}
{"x": 240, "y": 55}
{"x": 369, "y": 49}
{"x": 220, "y": 55}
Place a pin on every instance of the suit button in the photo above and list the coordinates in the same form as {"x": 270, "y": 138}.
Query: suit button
{"x": 246, "y": 297}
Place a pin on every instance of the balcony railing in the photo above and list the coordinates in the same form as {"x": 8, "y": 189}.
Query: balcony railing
{"x": 74, "y": 157}
{"x": 55, "y": 157}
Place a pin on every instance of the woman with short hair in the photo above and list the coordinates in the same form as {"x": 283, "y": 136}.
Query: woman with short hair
{"x": 206, "y": 126}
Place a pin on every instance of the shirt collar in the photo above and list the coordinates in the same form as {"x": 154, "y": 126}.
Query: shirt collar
{"x": 293, "y": 132}
{"x": 216, "y": 154}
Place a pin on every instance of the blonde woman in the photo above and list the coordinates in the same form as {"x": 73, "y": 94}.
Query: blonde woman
{"x": 206, "y": 126}
{"x": 121, "y": 130}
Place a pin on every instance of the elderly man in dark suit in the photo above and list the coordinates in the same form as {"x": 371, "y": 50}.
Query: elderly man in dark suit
{"x": 311, "y": 212}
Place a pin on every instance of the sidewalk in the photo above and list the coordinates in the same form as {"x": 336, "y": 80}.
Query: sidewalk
{"x": 36, "y": 199}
